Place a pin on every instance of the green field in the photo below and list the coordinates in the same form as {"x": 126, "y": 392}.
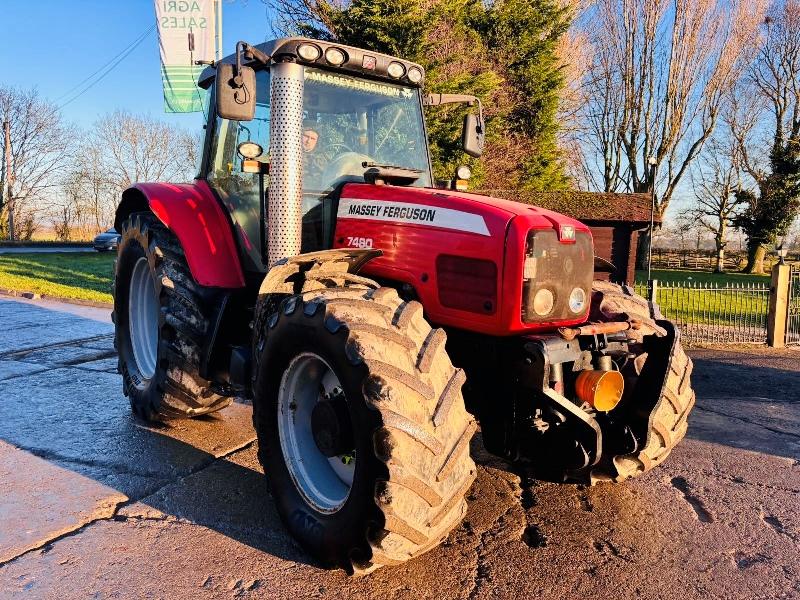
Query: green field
{"x": 684, "y": 296}
{"x": 73, "y": 275}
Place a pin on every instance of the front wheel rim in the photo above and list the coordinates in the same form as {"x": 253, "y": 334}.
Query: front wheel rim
{"x": 143, "y": 317}
{"x": 324, "y": 483}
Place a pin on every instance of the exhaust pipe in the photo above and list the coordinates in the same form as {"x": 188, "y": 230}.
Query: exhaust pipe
{"x": 284, "y": 207}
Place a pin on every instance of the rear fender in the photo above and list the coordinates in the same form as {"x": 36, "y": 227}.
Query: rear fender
{"x": 193, "y": 214}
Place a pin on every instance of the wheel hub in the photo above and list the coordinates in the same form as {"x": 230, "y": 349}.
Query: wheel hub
{"x": 316, "y": 433}
{"x": 331, "y": 426}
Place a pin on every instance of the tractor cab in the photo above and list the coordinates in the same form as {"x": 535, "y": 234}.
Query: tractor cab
{"x": 353, "y": 116}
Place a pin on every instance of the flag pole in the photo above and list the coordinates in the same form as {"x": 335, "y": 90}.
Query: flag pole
{"x": 218, "y": 29}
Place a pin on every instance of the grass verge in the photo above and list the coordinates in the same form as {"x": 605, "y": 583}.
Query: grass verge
{"x": 69, "y": 275}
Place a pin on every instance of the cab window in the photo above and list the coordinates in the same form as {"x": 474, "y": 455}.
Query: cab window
{"x": 240, "y": 191}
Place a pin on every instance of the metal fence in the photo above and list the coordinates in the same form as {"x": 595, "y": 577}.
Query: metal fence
{"x": 713, "y": 313}
{"x": 793, "y": 309}
{"x": 706, "y": 260}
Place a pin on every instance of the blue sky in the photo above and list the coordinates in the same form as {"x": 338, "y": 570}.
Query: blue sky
{"x": 54, "y": 44}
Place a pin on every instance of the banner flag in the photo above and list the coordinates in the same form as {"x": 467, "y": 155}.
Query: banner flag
{"x": 187, "y": 32}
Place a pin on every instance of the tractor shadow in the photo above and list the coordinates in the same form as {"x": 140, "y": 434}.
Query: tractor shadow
{"x": 183, "y": 480}
{"x": 228, "y": 495}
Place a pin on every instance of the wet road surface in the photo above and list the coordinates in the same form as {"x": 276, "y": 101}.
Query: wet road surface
{"x": 93, "y": 503}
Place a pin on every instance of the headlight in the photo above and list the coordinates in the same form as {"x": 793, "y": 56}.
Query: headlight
{"x": 543, "y": 302}
{"x": 577, "y": 300}
{"x": 414, "y": 75}
{"x": 396, "y": 70}
{"x": 250, "y": 150}
{"x": 463, "y": 172}
{"x": 309, "y": 51}
{"x": 335, "y": 56}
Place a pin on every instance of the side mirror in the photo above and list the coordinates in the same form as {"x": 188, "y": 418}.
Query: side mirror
{"x": 235, "y": 94}
{"x": 473, "y": 136}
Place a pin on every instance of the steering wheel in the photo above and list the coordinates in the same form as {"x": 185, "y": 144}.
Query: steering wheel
{"x": 347, "y": 165}
{"x": 335, "y": 145}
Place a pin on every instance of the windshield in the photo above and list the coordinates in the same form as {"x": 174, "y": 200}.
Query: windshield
{"x": 350, "y": 121}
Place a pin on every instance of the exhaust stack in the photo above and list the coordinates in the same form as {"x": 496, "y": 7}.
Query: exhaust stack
{"x": 284, "y": 207}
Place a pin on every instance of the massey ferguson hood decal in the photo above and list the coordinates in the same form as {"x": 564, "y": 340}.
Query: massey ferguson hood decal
{"x": 414, "y": 214}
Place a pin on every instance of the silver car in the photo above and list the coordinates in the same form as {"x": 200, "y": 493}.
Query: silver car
{"x": 108, "y": 240}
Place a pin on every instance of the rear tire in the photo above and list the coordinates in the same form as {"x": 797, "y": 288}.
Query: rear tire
{"x": 411, "y": 432}
{"x": 159, "y": 360}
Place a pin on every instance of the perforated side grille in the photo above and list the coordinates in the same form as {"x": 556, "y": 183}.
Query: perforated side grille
{"x": 286, "y": 156}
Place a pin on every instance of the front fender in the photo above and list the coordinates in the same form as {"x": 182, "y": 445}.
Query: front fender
{"x": 193, "y": 214}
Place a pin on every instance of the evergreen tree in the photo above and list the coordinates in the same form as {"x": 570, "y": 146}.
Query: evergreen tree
{"x": 504, "y": 53}
{"x": 771, "y": 212}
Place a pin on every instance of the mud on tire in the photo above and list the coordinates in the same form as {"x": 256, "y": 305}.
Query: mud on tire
{"x": 176, "y": 389}
{"x": 411, "y": 429}
{"x": 668, "y": 420}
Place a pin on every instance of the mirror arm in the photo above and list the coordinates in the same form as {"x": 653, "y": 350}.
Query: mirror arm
{"x": 253, "y": 53}
{"x": 439, "y": 99}
{"x": 250, "y": 53}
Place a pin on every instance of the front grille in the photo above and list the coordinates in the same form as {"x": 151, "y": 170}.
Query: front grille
{"x": 559, "y": 268}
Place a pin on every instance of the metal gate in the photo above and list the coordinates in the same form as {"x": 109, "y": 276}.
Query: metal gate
{"x": 793, "y": 316}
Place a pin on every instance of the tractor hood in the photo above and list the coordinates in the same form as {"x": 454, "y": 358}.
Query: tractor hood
{"x": 462, "y": 211}
{"x": 472, "y": 260}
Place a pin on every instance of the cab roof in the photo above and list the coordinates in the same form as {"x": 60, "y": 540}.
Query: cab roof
{"x": 357, "y": 60}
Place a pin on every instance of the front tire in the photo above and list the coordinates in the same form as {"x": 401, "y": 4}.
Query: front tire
{"x": 160, "y": 324}
{"x": 410, "y": 430}
{"x": 668, "y": 419}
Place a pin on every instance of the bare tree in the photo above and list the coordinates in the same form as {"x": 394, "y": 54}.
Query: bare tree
{"x": 716, "y": 183}
{"x": 40, "y": 143}
{"x": 661, "y": 72}
{"x": 131, "y": 148}
{"x": 575, "y": 53}
{"x": 771, "y": 153}
{"x": 97, "y": 192}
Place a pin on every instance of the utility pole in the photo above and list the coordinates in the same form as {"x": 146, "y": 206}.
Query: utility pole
{"x": 7, "y": 178}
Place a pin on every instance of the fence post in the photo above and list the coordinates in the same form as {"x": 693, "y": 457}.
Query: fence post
{"x": 778, "y": 305}
{"x": 652, "y": 290}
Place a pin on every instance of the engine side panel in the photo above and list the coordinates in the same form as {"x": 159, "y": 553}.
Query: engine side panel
{"x": 193, "y": 214}
{"x": 416, "y": 227}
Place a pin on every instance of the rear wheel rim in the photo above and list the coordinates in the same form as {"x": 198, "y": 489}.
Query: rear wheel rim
{"x": 143, "y": 316}
{"x": 324, "y": 483}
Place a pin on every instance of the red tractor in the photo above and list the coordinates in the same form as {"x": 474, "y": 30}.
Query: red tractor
{"x": 374, "y": 319}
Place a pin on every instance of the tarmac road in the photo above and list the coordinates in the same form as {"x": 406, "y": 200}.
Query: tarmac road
{"x": 95, "y": 504}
